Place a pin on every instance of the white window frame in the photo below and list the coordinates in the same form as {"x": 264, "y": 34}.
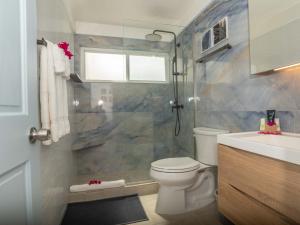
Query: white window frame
{"x": 83, "y": 50}
{"x": 211, "y": 30}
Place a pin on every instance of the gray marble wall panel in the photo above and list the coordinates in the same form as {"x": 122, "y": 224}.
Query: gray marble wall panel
{"x": 58, "y": 165}
{"x": 185, "y": 141}
{"x": 231, "y": 98}
{"x": 134, "y": 125}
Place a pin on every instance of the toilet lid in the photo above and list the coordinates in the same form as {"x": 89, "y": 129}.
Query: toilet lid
{"x": 183, "y": 164}
{"x": 209, "y": 131}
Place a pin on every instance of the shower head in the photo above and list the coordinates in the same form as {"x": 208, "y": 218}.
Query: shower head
{"x": 153, "y": 37}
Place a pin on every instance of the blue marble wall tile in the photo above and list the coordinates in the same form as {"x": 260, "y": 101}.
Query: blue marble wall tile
{"x": 94, "y": 129}
{"x": 124, "y": 124}
{"x": 135, "y": 122}
{"x": 57, "y": 161}
{"x": 240, "y": 121}
{"x": 184, "y": 142}
{"x": 118, "y": 161}
{"x": 231, "y": 98}
{"x": 120, "y": 97}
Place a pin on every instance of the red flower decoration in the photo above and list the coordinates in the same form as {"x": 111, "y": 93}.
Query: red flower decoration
{"x": 69, "y": 54}
{"x": 65, "y": 46}
{"x": 95, "y": 182}
{"x": 271, "y": 123}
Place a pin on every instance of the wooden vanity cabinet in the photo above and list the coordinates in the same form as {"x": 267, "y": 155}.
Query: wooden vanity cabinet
{"x": 257, "y": 190}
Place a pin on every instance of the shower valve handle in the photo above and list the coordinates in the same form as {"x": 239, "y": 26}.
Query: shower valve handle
{"x": 177, "y": 106}
{"x": 178, "y": 74}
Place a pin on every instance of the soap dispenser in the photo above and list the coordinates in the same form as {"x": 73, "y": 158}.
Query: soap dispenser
{"x": 270, "y": 124}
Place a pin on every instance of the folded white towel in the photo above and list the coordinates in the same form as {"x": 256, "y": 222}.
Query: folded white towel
{"x": 62, "y": 106}
{"x": 44, "y": 95}
{"x": 65, "y": 96}
{"x": 52, "y": 92}
{"x": 103, "y": 185}
{"x": 67, "y": 68}
{"x": 59, "y": 60}
{"x": 59, "y": 80}
{"x": 65, "y": 107}
{"x": 53, "y": 96}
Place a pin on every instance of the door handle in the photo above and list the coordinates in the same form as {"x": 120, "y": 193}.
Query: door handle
{"x": 41, "y": 135}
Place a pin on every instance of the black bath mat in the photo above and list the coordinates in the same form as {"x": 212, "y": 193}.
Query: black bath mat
{"x": 113, "y": 211}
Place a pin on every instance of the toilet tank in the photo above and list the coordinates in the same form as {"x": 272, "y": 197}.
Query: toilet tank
{"x": 206, "y": 144}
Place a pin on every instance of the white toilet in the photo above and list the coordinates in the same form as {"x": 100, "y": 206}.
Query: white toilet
{"x": 187, "y": 184}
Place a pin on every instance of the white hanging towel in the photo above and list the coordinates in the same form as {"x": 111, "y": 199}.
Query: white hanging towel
{"x": 103, "y": 185}
{"x": 59, "y": 82}
{"x": 53, "y": 96}
{"x": 68, "y": 68}
{"x": 44, "y": 95}
{"x": 65, "y": 107}
{"x": 62, "y": 69}
{"x": 65, "y": 96}
{"x": 59, "y": 60}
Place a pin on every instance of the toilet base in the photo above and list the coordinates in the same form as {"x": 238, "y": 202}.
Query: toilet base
{"x": 177, "y": 200}
{"x": 170, "y": 201}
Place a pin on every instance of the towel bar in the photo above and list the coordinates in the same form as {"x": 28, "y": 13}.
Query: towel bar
{"x": 76, "y": 78}
{"x": 42, "y": 42}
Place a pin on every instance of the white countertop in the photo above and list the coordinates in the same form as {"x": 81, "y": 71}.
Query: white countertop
{"x": 285, "y": 147}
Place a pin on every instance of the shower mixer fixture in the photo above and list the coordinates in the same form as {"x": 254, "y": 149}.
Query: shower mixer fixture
{"x": 176, "y": 106}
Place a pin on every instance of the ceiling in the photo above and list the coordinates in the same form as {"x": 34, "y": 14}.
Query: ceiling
{"x": 145, "y": 14}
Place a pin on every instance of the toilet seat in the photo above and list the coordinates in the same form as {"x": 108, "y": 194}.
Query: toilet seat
{"x": 176, "y": 165}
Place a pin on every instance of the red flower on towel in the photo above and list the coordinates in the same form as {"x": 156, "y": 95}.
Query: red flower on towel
{"x": 69, "y": 54}
{"x": 95, "y": 182}
{"x": 65, "y": 46}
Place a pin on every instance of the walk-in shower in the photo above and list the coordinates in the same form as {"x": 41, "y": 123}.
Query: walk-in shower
{"x": 176, "y": 106}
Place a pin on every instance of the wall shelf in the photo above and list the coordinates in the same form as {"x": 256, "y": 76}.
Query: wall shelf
{"x": 210, "y": 52}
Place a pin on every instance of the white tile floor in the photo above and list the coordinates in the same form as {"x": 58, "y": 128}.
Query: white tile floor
{"x": 204, "y": 216}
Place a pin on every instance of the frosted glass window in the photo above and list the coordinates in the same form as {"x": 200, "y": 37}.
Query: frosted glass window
{"x": 105, "y": 66}
{"x": 147, "y": 68}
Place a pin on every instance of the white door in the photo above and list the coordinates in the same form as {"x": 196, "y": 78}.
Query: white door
{"x": 19, "y": 169}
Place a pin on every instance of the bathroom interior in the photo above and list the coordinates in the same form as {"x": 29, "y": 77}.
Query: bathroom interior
{"x": 149, "y": 112}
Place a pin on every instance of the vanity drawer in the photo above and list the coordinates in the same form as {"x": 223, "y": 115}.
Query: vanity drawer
{"x": 244, "y": 210}
{"x": 274, "y": 183}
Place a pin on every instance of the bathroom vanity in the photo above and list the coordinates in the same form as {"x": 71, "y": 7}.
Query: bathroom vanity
{"x": 259, "y": 178}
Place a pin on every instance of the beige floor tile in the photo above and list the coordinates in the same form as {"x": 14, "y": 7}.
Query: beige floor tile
{"x": 205, "y": 216}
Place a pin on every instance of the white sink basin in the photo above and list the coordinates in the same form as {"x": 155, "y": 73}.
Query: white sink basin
{"x": 285, "y": 147}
